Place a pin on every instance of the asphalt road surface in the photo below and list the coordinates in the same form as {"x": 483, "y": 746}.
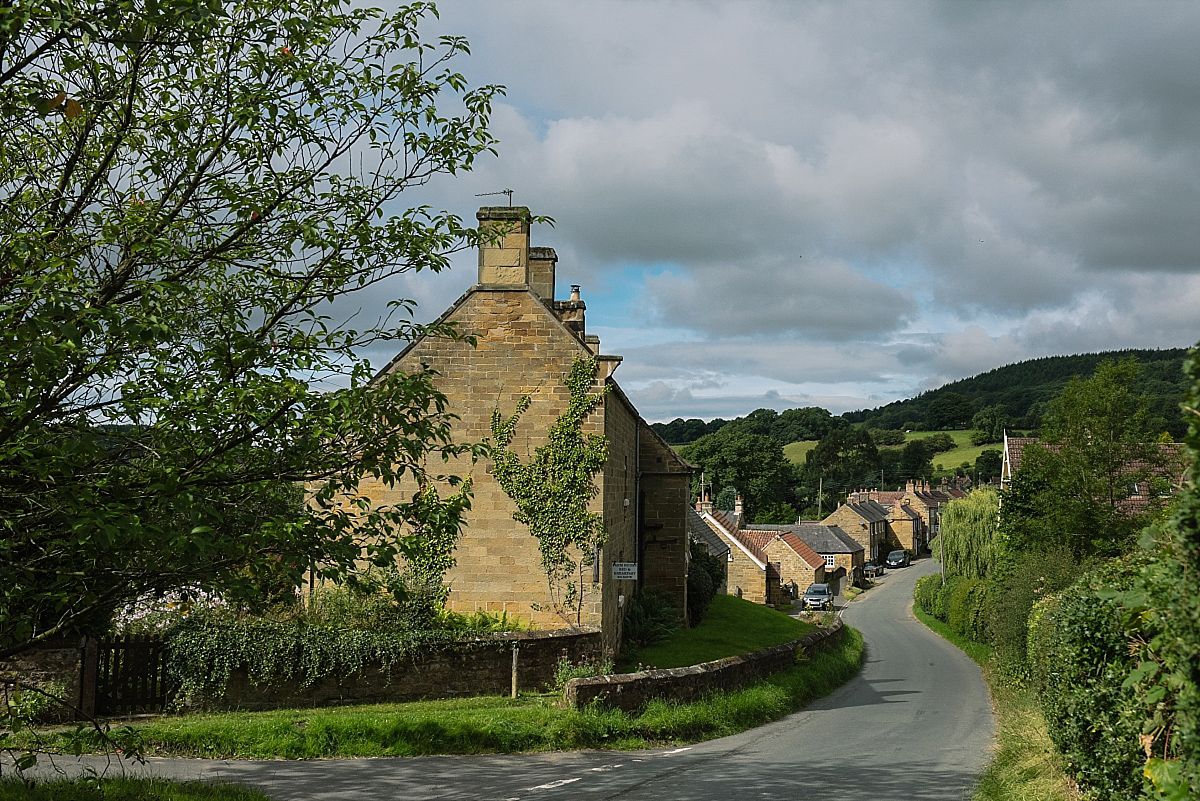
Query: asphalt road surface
{"x": 915, "y": 724}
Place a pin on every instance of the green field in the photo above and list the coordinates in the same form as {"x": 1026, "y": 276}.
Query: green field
{"x": 965, "y": 452}
{"x": 797, "y": 450}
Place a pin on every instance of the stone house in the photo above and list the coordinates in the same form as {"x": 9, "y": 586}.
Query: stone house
{"x": 526, "y": 343}
{"x": 776, "y": 558}
{"x": 912, "y": 514}
{"x": 866, "y": 522}
{"x": 750, "y": 573}
{"x": 840, "y": 554}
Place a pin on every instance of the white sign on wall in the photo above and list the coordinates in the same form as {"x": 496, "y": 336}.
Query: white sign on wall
{"x": 624, "y": 571}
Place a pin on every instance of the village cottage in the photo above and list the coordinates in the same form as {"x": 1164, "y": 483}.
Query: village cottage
{"x": 526, "y": 344}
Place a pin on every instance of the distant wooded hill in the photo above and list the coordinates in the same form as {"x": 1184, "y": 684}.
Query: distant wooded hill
{"x": 1025, "y": 387}
{"x": 1022, "y": 389}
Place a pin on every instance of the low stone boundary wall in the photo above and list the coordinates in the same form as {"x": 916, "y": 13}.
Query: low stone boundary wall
{"x": 632, "y": 691}
{"x": 476, "y": 667}
{"x": 52, "y": 666}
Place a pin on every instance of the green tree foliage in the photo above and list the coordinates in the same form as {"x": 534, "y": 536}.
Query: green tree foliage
{"x": 990, "y": 424}
{"x": 883, "y": 436}
{"x": 988, "y": 465}
{"x": 948, "y": 410}
{"x": 553, "y": 490}
{"x": 1024, "y": 387}
{"x": 681, "y": 432}
{"x": 1079, "y": 653}
{"x": 190, "y": 194}
{"x": 968, "y": 533}
{"x": 1074, "y": 489}
{"x": 916, "y": 461}
{"x": 752, "y": 464}
{"x": 726, "y": 499}
{"x": 1169, "y": 680}
{"x": 845, "y": 458}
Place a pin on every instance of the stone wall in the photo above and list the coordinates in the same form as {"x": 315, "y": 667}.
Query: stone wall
{"x": 56, "y": 663}
{"x": 632, "y": 691}
{"x": 481, "y": 667}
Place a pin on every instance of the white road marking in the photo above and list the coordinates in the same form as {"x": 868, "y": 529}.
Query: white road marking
{"x": 552, "y": 785}
{"x": 676, "y": 751}
{"x": 604, "y": 768}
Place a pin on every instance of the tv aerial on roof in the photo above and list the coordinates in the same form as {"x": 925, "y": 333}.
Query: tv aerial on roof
{"x": 508, "y": 192}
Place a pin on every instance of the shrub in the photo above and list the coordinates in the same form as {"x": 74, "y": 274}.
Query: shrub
{"x": 565, "y": 669}
{"x": 1080, "y": 661}
{"x": 1028, "y": 578}
{"x": 649, "y": 617}
{"x": 926, "y": 592}
{"x": 966, "y": 609}
{"x": 700, "y": 592}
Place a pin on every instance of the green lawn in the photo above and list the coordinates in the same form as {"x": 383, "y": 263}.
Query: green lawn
{"x": 531, "y": 723}
{"x": 497, "y": 725}
{"x": 732, "y": 626}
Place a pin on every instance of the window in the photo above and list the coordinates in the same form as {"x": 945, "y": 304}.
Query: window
{"x": 829, "y": 560}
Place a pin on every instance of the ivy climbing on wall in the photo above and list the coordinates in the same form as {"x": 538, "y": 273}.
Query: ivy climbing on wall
{"x": 553, "y": 489}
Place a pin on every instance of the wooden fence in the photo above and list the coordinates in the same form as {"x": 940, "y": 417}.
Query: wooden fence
{"x": 124, "y": 675}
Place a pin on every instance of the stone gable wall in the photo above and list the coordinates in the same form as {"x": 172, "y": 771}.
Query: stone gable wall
{"x": 522, "y": 349}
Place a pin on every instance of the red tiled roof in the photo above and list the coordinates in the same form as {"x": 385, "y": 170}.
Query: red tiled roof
{"x": 810, "y": 557}
{"x": 1016, "y": 447}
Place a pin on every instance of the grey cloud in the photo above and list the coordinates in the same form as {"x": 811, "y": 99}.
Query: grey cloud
{"x": 817, "y": 297}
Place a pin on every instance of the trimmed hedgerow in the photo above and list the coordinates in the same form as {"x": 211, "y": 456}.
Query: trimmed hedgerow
{"x": 966, "y": 609}
{"x": 1079, "y": 657}
{"x": 959, "y": 603}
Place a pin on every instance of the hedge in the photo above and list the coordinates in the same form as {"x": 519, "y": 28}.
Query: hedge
{"x": 960, "y": 603}
{"x": 1080, "y": 662}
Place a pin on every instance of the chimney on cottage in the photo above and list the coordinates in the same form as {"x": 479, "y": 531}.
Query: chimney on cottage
{"x": 737, "y": 506}
{"x": 910, "y": 487}
{"x": 504, "y": 251}
{"x": 571, "y": 312}
{"x": 542, "y": 262}
{"x": 704, "y": 504}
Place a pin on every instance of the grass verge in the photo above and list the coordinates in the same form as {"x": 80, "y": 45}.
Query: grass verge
{"x": 499, "y": 725}
{"x": 732, "y": 626}
{"x": 1026, "y": 766}
{"x": 124, "y": 789}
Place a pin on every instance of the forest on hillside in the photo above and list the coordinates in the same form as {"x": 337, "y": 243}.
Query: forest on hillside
{"x": 1019, "y": 392}
{"x": 1024, "y": 388}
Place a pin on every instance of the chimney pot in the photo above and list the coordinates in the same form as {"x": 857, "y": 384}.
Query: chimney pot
{"x": 574, "y": 291}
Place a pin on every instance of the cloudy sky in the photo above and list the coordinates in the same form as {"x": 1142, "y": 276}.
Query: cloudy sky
{"x": 841, "y": 204}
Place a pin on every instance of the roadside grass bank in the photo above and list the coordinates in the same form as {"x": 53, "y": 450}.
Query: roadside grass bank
{"x": 498, "y": 725}
{"x": 732, "y": 626}
{"x": 124, "y": 789}
{"x": 1025, "y": 766}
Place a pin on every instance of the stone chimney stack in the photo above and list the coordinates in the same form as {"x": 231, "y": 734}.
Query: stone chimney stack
{"x": 571, "y": 311}
{"x": 542, "y": 262}
{"x": 737, "y": 506}
{"x": 505, "y": 260}
{"x": 704, "y": 504}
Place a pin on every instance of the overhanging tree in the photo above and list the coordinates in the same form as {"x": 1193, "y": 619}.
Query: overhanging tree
{"x": 188, "y": 192}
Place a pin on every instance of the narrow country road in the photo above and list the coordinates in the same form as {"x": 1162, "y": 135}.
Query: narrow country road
{"x": 915, "y": 724}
